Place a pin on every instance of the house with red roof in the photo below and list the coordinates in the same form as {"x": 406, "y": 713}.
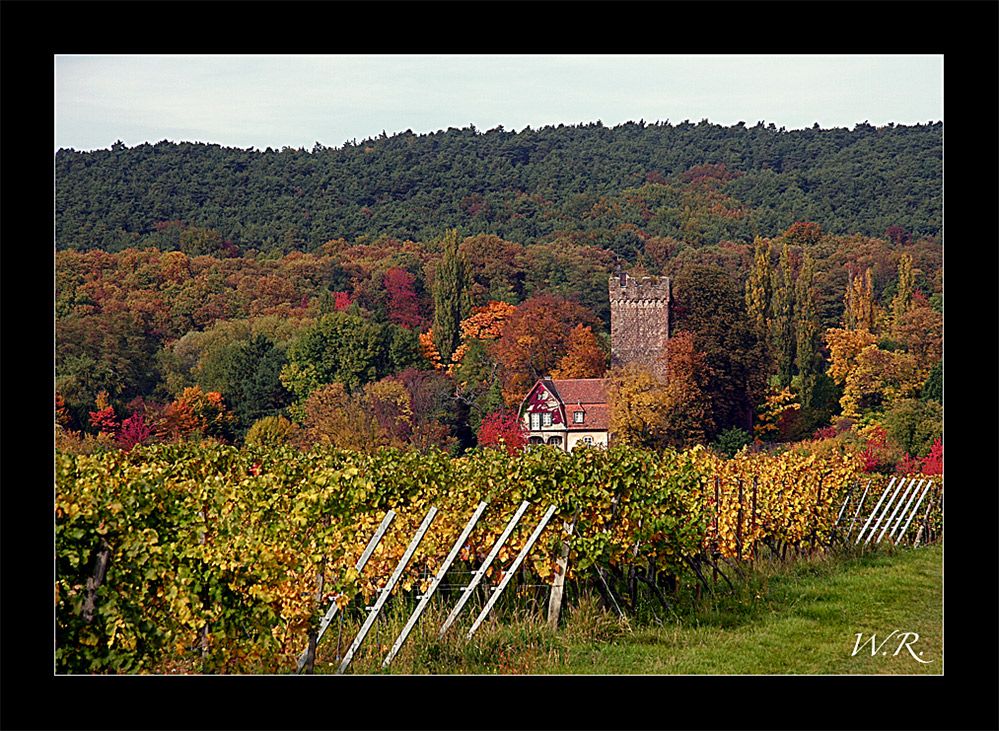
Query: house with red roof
{"x": 565, "y": 413}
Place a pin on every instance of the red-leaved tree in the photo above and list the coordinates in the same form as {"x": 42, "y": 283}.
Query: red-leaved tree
{"x": 134, "y": 430}
{"x": 403, "y": 305}
{"x": 504, "y": 431}
{"x": 933, "y": 462}
{"x": 341, "y": 301}
{"x": 104, "y": 418}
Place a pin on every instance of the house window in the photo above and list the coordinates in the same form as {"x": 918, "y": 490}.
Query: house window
{"x": 546, "y": 419}
{"x": 535, "y": 421}
{"x": 588, "y": 441}
{"x": 577, "y": 417}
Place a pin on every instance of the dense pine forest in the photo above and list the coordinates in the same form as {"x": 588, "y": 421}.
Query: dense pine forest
{"x": 402, "y": 290}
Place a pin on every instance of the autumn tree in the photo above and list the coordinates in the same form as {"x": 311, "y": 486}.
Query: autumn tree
{"x": 845, "y": 347}
{"x": 104, "y": 419}
{"x": 803, "y": 233}
{"x": 712, "y": 309}
{"x": 639, "y": 407}
{"x": 485, "y": 324}
{"x": 474, "y": 368}
{"x": 920, "y": 331}
{"x": 872, "y": 378}
{"x": 860, "y": 311}
{"x": 196, "y": 414}
{"x": 673, "y": 411}
{"x": 584, "y": 358}
{"x": 502, "y": 430}
{"x": 535, "y": 339}
{"x": 403, "y": 305}
{"x": 373, "y": 417}
{"x": 759, "y": 287}
{"x": 330, "y": 301}
{"x": 902, "y": 300}
{"x": 877, "y": 379}
{"x": 496, "y": 267}
{"x": 437, "y": 421}
{"x": 271, "y": 431}
{"x": 134, "y": 431}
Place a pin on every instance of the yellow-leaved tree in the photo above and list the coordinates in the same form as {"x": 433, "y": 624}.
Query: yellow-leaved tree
{"x": 377, "y": 416}
{"x": 674, "y": 411}
{"x": 872, "y": 378}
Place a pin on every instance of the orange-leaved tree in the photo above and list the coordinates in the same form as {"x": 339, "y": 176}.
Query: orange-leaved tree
{"x": 196, "y": 414}
{"x": 584, "y": 358}
{"x": 535, "y": 339}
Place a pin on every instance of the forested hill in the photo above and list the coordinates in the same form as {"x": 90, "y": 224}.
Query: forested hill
{"x": 697, "y": 183}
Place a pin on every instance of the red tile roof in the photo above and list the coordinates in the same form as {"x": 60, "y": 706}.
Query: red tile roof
{"x": 597, "y": 418}
{"x": 581, "y": 390}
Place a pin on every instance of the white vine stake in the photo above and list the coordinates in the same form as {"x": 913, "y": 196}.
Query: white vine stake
{"x": 359, "y": 566}
{"x": 467, "y": 593}
{"x": 512, "y": 570}
{"x": 433, "y": 587}
{"x": 386, "y": 590}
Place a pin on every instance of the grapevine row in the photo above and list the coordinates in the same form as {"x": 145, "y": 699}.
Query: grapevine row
{"x": 234, "y": 555}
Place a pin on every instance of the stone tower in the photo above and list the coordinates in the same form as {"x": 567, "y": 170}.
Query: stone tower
{"x": 639, "y": 321}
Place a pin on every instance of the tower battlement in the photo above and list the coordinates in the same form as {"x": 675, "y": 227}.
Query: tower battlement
{"x": 639, "y": 321}
{"x": 623, "y": 287}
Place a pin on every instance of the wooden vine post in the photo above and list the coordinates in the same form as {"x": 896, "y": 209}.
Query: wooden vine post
{"x": 755, "y": 493}
{"x": 101, "y": 559}
{"x": 714, "y": 567}
{"x": 558, "y": 582}
{"x": 738, "y": 525}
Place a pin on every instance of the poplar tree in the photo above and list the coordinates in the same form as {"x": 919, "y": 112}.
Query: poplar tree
{"x": 808, "y": 331}
{"x": 759, "y": 287}
{"x": 859, "y": 301}
{"x": 902, "y": 301}
{"x": 782, "y": 334}
{"x": 452, "y": 300}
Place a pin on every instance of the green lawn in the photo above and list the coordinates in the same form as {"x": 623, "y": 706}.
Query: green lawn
{"x": 803, "y": 620}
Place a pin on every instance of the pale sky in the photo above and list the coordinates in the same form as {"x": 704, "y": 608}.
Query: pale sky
{"x": 295, "y": 101}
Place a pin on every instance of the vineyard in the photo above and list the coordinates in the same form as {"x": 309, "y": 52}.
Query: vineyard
{"x": 233, "y": 560}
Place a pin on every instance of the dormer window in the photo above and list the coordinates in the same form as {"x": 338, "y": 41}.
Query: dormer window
{"x": 546, "y": 419}
{"x": 577, "y": 417}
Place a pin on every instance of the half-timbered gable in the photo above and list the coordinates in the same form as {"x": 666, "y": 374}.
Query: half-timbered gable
{"x": 565, "y": 413}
